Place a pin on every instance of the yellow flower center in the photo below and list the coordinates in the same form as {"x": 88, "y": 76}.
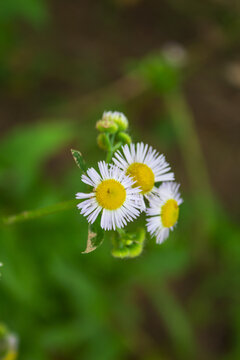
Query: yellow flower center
{"x": 170, "y": 213}
{"x": 110, "y": 194}
{"x": 143, "y": 176}
{"x": 11, "y": 355}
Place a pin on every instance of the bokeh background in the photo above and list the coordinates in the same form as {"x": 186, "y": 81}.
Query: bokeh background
{"x": 173, "y": 67}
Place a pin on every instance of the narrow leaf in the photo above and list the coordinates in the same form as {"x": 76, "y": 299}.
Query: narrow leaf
{"x": 95, "y": 237}
{"x": 79, "y": 160}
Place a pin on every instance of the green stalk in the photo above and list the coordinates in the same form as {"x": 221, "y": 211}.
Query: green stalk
{"x": 202, "y": 194}
{"x": 34, "y": 214}
{"x": 111, "y": 150}
{"x": 183, "y": 122}
{"x": 63, "y": 206}
{"x": 109, "y": 156}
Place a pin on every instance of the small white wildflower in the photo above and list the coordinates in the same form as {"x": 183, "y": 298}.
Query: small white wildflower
{"x": 112, "y": 194}
{"x": 145, "y": 165}
{"x": 163, "y": 211}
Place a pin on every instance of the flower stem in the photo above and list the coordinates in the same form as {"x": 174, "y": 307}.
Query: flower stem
{"x": 34, "y": 214}
{"x": 109, "y": 156}
{"x": 190, "y": 147}
{"x": 111, "y": 150}
{"x": 184, "y": 125}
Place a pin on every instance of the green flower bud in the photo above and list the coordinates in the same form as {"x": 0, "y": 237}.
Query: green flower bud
{"x": 124, "y": 137}
{"x": 118, "y": 118}
{"x": 107, "y": 125}
{"x": 135, "y": 249}
{"x": 128, "y": 242}
{"x": 120, "y": 252}
{"x": 140, "y": 235}
{"x": 103, "y": 142}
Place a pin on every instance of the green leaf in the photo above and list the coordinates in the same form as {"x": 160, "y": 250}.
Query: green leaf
{"x": 95, "y": 237}
{"x": 79, "y": 160}
{"x": 25, "y": 150}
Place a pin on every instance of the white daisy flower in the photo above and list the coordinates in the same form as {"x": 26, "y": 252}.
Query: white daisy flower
{"x": 163, "y": 211}
{"x": 145, "y": 165}
{"x": 113, "y": 194}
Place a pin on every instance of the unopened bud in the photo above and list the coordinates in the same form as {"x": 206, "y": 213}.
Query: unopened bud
{"x": 106, "y": 125}
{"x": 120, "y": 252}
{"x": 118, "y": 118}
{"x": 135, "y": 249}
{"x": 103, "y": 142}
{"x": 128, "y": 242}
{"x": 140, "y": 235}
{"x": 124, "y": 137}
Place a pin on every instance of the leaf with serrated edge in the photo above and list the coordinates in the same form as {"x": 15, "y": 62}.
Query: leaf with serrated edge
{"x": 78, "y": 158}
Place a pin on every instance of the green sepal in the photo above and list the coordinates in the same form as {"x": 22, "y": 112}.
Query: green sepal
{"x": 95, "y": 237}
{"x": 78, "y": 158}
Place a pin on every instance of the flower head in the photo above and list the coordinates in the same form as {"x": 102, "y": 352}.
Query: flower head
{"x": 117, "y": 118}
{"x": 145, "y": 165}
{"x": 163, "y": 211}
{"x": 113, "y": 194}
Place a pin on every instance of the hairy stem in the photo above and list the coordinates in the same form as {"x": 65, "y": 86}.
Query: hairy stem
{"x": 34, "y": 214}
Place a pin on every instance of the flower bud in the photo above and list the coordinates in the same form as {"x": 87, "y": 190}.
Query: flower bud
{"x": 124, "y": 137}
{"x": 140, "y": 235}
{"x": 120, "y": 252}
{"x": 128, "y": 242}
{"x": 106, "y": 125}
{"x": 103, "y": 142}
{"x": 118, "y": 118}
{"x": 135, "y": 249}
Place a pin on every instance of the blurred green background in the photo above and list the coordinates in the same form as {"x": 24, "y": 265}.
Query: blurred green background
{"x": 173, "y": 67}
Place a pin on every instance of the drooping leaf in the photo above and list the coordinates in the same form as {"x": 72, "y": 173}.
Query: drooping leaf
{"x": 95, "y": 237}
{"x": 79, "y": 160}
